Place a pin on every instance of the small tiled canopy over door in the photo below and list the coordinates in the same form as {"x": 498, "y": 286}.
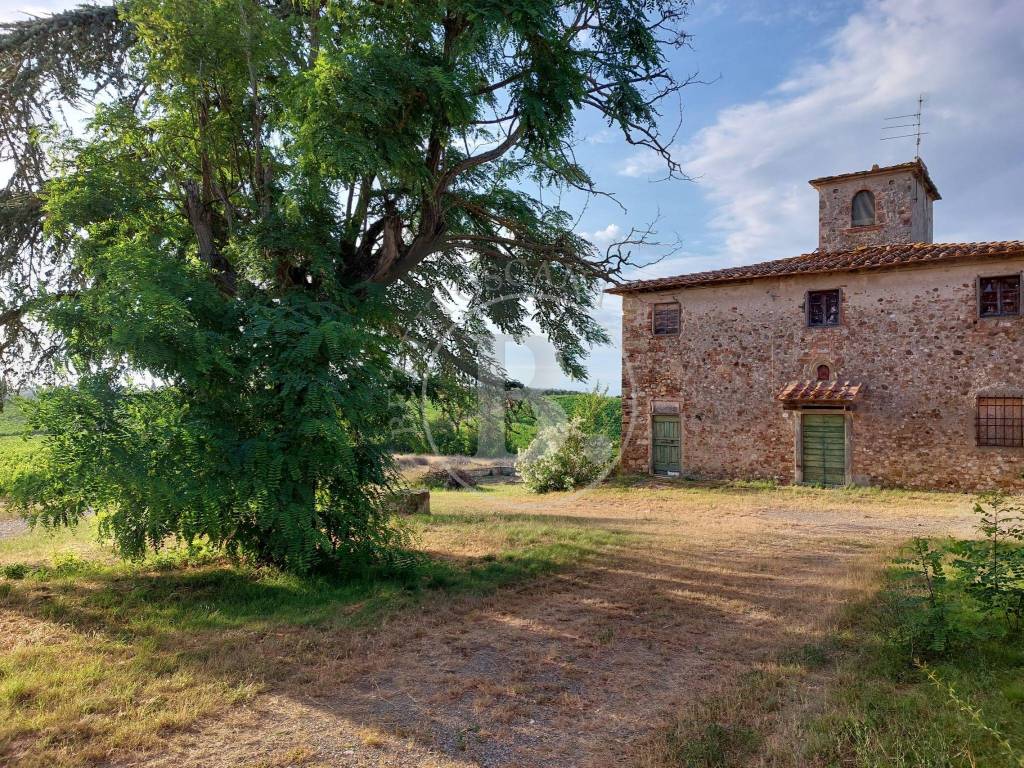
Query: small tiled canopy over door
{"x": 824, "y": 448}
{"x": 667, "y": 445}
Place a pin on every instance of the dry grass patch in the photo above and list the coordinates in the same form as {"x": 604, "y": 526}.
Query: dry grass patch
{"x": 617, "y": 609}
{"x": 101, "y": 658}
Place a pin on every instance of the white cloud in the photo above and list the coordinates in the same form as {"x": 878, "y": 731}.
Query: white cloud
{"x": 604, "y": 236}
{"x": 603, "y": 136}
{"x": 755, "y": 160}
{"x": 643, "y": 162}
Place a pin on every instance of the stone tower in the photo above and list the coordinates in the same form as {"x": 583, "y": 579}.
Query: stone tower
{"x": 876, "y": 207}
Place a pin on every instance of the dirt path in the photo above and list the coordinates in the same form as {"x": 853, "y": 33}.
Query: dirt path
{"x": 12, "y": 526}
{"x": 575, "y": 670}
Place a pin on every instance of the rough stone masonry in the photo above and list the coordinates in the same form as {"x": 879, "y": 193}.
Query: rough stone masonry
{"x": 915, "y": 329}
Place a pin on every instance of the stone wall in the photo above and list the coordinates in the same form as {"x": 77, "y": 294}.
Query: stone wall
{"x": 903, "y": 211}
{"x": 912, "y": 336}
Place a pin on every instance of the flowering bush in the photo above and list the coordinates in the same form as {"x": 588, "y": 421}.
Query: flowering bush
{"x": 564, "y": 457}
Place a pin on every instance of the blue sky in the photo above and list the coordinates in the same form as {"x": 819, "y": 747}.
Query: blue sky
{"x": 797, "y": 90}
{"x": 800, "y": 90}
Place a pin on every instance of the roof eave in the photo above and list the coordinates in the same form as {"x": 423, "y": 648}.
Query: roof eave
{"x": 622, "y": 290}
{"x": 917, "y": 166}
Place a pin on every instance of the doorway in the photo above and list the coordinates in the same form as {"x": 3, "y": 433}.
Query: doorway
{"x": 667, "y": 445}
{"x": 823, "y": 440}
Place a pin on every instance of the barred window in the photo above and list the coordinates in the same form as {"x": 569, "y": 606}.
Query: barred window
{"x": 822, "y": 308}
{"x": 666, "y": 319}
{"x": 999, "y": 296}
{"x": 1001, "y": 421}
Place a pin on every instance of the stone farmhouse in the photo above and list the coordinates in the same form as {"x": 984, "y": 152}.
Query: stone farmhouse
{"x": 882, "y": 358}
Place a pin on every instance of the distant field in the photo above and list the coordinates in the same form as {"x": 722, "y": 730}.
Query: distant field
{"x": 442, "y": 432}
{"x": 16, "y": 447}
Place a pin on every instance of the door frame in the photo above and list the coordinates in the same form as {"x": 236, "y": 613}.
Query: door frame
{"x": 798, "y": 453}
{"x": 676, "y": 417}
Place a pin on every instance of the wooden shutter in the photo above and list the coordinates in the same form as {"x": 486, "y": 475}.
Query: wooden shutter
{"x": 666, "y": 318}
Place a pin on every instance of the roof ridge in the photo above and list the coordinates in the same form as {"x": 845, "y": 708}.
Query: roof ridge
{"x": 818, "y": 261}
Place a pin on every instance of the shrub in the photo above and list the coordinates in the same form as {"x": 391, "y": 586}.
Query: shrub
{"x": 564, "y": 457}
{"x": 14, "y": 571}
{"x": 915, "y": 609}
{"x": 992, "y": 569}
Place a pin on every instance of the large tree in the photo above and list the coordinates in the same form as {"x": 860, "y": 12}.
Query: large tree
{"x": 267, "y": 227}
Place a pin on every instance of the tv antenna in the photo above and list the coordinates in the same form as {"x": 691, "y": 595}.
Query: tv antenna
{"x": 915, "y": 123}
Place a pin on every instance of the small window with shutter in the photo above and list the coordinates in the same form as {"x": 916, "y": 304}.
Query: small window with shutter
{"x": 999, "y": 296}
{"x": 823, "y": 308}
{"x": 666, "y": 319}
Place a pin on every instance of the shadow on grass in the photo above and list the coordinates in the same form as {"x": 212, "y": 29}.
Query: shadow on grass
{"x": 205, "y": 592}
{"x": 192, "y": 632}
{"x": 577, "y": 652}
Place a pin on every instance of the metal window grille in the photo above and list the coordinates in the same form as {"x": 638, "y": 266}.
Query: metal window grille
{"x": 1000, "y": 421}
{"x": 1000, "y": 296}
{"x": 822, "y": 308}
{"x": 666, "y": 319}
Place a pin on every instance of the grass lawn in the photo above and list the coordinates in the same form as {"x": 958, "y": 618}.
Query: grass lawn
{"x": 98, "y": 655}
{"x": 552, "y": 630}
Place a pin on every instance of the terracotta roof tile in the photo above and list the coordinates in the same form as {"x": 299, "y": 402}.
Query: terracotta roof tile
{"x": 821, "y": 392}
{"x": 820, "y": 262}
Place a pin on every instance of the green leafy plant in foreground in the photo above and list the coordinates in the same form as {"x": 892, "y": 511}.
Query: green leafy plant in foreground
{"x": 992, "y": 569}
{"x": 914, "y": 610}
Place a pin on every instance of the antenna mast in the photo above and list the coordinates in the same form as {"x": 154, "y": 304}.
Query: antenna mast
{"x": 916, "y": 134}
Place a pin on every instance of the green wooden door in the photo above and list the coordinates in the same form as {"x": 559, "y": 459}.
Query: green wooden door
{"x": 824, "y": 448}
{"x": 667, "y": 445}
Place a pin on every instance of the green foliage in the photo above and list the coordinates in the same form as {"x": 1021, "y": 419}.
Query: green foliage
{"x": 915, "y": 614}
{"x": 958, "y": 704}
{"x": 443, "y": 429}
{"x": 14, "y": 571}
{"x": 564, "y": 457}
{"x": 284, "y": 471}
{"x": 17, "y": 461}
{"x": 18, "y": 446}
{"x": 993, "y": 569}
{"x": 13, "y": 419}
{"x": 252, "y": 253}
{"x": 927, "y": 615}
{"x": 601, "y": 414}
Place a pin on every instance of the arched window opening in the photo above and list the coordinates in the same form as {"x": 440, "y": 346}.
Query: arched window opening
{"x": 863, "y": 209}
{"x": 824, "y": 373}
